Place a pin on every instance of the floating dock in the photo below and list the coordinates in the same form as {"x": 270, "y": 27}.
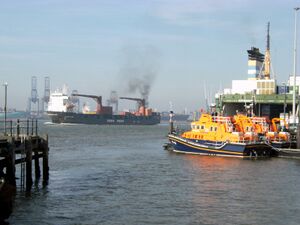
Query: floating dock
{"x": 289, "y": 153}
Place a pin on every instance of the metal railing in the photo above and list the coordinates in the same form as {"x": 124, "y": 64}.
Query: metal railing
{"x": 19, "y": 127}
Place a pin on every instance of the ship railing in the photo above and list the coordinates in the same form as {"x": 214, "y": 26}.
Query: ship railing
{"x": 221, "y": 119}
{"x": 17, "y": 127}
{"x": 248, "y": 141}
{"x": 279, "y": 139}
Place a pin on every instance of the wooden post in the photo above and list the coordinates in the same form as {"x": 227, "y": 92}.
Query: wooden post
{"x": 36, "y": 127}
{"x": 23, "y": 147}
{"x": 45, "y": 161}
{"x": 11, "y": 127}
{"x": 18, "y": 128}
{"x": 32, "y": 127}
{"x": 28, "y": 164}
{"x": 11, "y": 168}
{"x": 171, "y": 128}
{"x": 37, "y": 165}
{"x": 27, "y": 124}
{"x": 298, "y": 136}
{"x": 298, "y": 127}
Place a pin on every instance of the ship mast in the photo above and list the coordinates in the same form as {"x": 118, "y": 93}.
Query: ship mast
{"x": 268, "y": 56}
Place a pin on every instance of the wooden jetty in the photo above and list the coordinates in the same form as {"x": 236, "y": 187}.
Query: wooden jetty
{"x": 20, "y": 145}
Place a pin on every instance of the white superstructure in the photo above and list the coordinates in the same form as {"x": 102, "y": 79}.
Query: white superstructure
{"x": 259, "y": 87}
{"x": 58, "y": 102}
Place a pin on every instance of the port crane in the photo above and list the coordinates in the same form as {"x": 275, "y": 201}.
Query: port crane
{"x": 141, "y": 102}
{"x": 100, "y": 109}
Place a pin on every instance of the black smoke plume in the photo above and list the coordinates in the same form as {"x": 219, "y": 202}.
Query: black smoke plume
{"x": 139, "y": 70}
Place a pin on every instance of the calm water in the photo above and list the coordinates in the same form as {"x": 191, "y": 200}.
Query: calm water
{"x": 121, "y": 175}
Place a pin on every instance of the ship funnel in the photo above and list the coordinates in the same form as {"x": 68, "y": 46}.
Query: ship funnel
{"x": 255, "y": 63}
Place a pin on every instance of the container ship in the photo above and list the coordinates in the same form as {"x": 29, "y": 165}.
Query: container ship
{"x": 61, "y": 109}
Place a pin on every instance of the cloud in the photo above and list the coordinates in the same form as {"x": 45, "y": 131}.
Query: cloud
{"x": 192, "y": 12}
{"x": 205, "y": 13}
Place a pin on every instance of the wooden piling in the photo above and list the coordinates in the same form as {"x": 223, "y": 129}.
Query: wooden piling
{"x": 45, "y": 161}
{"x": 36, "y": 127}
{"x": 27, "y": 127}
{"x": 32, "y": 127}
{"x": 298, "y": 136}
{"x": 10, "y": 161}
{"x": 37, "y": 165}
{"x": 28, "y": 160}
{"x": 18, "y": 128}
{"x": 11, "y": 128}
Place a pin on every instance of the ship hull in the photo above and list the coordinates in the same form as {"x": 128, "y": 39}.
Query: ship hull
{"x": 240, "y": 150}
{"x": 79, "y": 118}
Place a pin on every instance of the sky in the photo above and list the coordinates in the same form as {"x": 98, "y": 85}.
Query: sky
{"x": 183, "y": 50}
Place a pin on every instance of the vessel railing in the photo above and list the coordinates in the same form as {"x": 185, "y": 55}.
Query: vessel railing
{"x": 18, "y": 127}
{"x": 248, "y": 141}
{"x": 280, "y": 139}
{"x": 221, "y": 119}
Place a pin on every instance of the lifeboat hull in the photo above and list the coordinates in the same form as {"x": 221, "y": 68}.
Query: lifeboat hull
{"x": 213, "y": 148}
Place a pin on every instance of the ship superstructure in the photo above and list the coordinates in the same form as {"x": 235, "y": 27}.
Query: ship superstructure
{"x": 58, "y": 102}
{"x": 260, "y": 94}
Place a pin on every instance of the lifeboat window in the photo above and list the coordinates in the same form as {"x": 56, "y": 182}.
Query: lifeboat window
{"x": 211, "y": 128}
{"x": 198, "y": 127}
{"x": 216, "y": 128}
{"x": 202, "y": 127}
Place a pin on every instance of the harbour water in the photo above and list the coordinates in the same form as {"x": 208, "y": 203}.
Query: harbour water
{"x": 121, "y": 175}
